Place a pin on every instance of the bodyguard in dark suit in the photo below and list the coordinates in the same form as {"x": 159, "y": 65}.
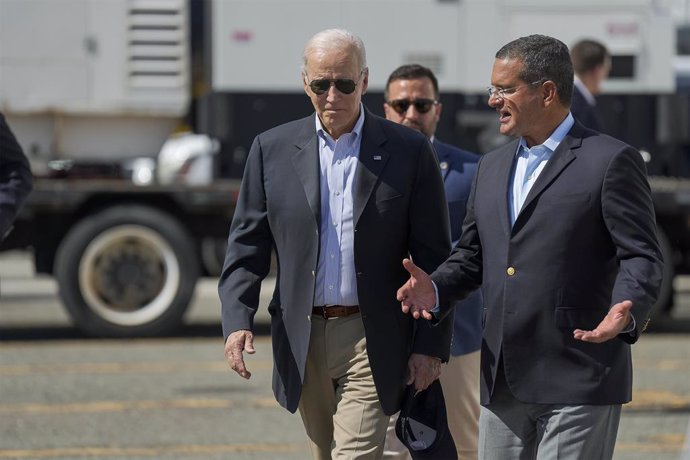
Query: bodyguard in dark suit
{"x": 413, "y": 100}
{"x": 15, "y": 177}
{"x": 591, "y": 64}
{"x": 342, "y": 197}
{"x": 584, "y": 107}
{"x": 560, "y": 234}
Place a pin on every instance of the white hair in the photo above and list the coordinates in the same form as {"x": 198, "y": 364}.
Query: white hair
{"x": 330, "y": 39}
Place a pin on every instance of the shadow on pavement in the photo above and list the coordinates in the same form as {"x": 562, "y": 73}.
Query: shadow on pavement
{"x": 658, "y": 408}
{"x": 669, "y": 325}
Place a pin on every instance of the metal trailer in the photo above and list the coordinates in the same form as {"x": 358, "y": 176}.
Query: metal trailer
{"x": 92, "y": 86}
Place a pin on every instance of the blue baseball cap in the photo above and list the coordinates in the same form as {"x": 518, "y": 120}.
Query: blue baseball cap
{"x": 422, "y": 425}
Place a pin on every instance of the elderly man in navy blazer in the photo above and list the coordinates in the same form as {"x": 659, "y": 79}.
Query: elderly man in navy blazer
{"x": 342, "y": 196}
{"x": 560, "y": 234}
{"x": 412, "y": 99}
{"x": 15, "y": 177}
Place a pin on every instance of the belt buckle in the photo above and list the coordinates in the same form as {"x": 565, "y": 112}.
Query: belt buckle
{"x": 323, "y": 311}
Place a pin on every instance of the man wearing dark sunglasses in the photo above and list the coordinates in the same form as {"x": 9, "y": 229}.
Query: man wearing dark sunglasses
{"x": 342, "y": 196}
{"x": 412, "y": 99}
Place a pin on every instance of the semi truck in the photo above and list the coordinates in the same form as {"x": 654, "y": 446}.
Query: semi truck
{"x": 137, "y": 116}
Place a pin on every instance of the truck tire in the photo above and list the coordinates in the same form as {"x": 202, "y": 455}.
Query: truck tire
{"x": 127, "y": 271}
{"x": 213, "y": 255}
{"x": 664, "y": 303}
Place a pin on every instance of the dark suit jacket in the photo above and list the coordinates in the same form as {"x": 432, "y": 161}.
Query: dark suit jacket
{"x": 15, "y": 177}
{"x": 458, "y": 168}
{"x": 583, "y": 241}
{"x": 585, "y": 113}
{"x": 399, "y": 209}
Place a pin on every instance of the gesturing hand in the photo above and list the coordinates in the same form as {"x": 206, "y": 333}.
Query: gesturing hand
{"x": 417, "y": 296}
{"x": 613, "y": 323}
{"x": 239, "y": 341}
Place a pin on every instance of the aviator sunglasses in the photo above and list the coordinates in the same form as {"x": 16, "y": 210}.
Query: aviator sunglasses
{"x": 421, "y": 105}
{"x": 344, "y": 85}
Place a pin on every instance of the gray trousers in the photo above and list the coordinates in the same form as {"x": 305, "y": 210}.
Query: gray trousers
{"x": 511, "y": 430}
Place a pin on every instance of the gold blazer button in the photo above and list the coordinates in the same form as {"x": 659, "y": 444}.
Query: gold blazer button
{"x": 510, "y": 271}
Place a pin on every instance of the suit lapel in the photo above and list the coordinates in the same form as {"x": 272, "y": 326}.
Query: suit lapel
{"x": 503, "y": 173}
{"x": 561, "y": 158}
{"x": 305, "y": 159}
{"x": 372, "y": 160}
{"x": 445, "y": 161}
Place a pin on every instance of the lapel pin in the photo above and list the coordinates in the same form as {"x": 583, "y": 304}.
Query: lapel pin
{"x": 377, "y": 157}
{"x": 444, "y": 165}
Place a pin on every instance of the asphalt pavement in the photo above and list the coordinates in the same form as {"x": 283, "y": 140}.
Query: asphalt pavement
{"x": 66, "y": 396}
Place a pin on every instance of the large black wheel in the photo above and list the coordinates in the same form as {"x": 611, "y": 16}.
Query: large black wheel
{"x": 213, "y": 255}
{"x": 664, "y": 303}
{"x": 127, "y": 271}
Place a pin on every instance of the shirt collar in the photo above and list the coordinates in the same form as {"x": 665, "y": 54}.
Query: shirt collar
{"x": 555, "y": 138}
{"x": 356, "y": 130}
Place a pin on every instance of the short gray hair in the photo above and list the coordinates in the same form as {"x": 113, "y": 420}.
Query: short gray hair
{"x": 335, "y": 39}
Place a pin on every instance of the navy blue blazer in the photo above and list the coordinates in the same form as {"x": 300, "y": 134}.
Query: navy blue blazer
{"x": 458, "y": 168}
{"x": 585, "y": 239}
{"x": 15, "y": 177}
{"x": 585, "y": 113}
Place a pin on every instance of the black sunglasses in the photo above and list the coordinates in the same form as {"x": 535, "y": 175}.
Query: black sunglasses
{"x": 322, "y": 85}
{"x": 421, "y": 105}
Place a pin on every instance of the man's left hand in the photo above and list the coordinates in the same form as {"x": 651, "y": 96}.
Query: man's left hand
{"x": 613, "y": 323}
{"x": 423, "y": 370}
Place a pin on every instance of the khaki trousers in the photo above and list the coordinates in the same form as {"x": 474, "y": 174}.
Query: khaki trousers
{"x": 339, "y": 406}
{"x": 460, "y": 382}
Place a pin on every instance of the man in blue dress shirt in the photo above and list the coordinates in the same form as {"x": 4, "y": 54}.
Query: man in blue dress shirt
{"x": 342, "y": 197}
{"x": 591, "y": 63}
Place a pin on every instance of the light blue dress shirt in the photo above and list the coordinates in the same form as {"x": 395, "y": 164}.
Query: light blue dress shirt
{"x": 530, "y": 163}
{"x": 336, "y": 281}
{"x": 522, "y": 179}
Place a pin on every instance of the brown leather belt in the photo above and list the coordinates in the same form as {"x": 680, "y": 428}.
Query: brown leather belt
{"x": 335, "y": 311}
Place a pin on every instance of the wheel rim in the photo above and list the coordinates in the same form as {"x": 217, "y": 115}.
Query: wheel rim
{"x": 129, "y": 275}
